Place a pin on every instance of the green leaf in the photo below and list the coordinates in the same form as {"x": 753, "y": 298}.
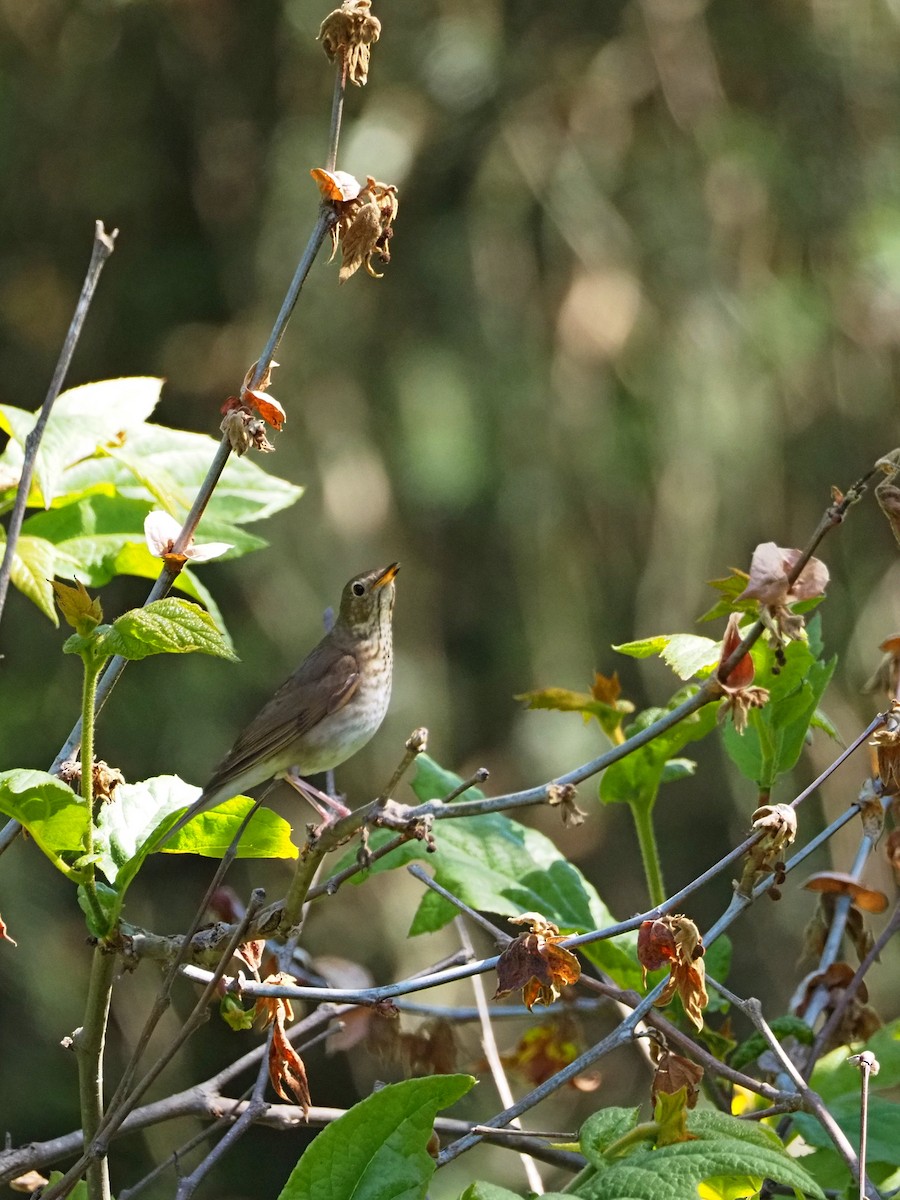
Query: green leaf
{"x": 675, "y": 1172}
{"x": 33, "y": 567}
{"x": 834, "y": 1076}
{"x": 109, "y": 903}
{"x": 89, "y": 534}
{"x": 82, "y": 419}
{"x": 776, "y": 733}
{"x": 637, "y": 777}
{"x": 488, "y": 1191}
{"x": 493, "y": 863}
{"x": 211, "y": 833}
{"x": 78, "y": 1192}
{"x": 686, "y": 653}
{"x": 602, "y": 1129}
{"x": 609, "y": 716}
{"x": 166, "y": 626}
{"x": 378, "y": 1149}
{"x": 48, "y": 808}
{"x": 884, "y": 1127}
{"x": 99, "y": 537}
{"x": 244, "y": 493}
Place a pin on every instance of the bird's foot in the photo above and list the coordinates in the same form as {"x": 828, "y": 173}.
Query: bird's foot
{"x": 329, "y": 808}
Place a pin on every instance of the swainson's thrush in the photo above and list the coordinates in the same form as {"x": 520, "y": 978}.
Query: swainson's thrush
{"x": 328, "y": 709}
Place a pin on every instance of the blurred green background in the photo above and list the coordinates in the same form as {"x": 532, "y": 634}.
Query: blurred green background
{"x": 643, "y": 311}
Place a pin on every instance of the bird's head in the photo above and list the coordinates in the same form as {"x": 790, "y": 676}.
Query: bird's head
{"x": 368, "y": 600}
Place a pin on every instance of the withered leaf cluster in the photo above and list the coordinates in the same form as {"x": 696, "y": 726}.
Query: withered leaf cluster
{"x": 365, "y": 228}
{"x": 886, "y": 741}
{"x": 778, "y": 825}
{"x": 286, "y": 1069}
{"x": 858, "y": 1020}
{"x": 675, "y": 941}
{"x": 104, "y": 778}
{"x": 536, "y": 963}
{"x": 351, "y": 31}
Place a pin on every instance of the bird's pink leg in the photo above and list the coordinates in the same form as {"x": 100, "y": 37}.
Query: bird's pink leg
{"x": 328, "y": 807}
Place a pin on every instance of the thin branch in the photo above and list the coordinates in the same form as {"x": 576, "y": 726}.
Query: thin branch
{"x": 812, "y": 1102}
{"x": 103, "y": 246}
{"x": 492, "y": 1054}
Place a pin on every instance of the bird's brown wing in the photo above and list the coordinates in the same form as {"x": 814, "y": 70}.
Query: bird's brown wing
{"x": 324, "y": 683}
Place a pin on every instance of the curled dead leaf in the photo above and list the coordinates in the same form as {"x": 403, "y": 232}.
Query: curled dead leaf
{"x": 563, "y": 796}
{"x": 842, "y": 884}
{"x": 536, "y": 963}
{"x": 675, "y": 941}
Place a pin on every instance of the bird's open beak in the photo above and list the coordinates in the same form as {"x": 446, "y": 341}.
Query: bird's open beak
{"x": 386, "y": 575}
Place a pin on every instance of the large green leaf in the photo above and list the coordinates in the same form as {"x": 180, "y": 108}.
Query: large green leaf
{"x": 636, "y": 777}
{"x": 127, "y": 828}
{"x": 244, "y": 493}
{"x": 378, "y": 1149}
{"x": 82, "y": 419}
{"x": 48, "y": 808}
{"x": 686, "y": 653}
{"x": 495, "y": 864}
{"x": 884, "y": 1127}
{"x": 33, "y": 567}
{"x": 674, "y": 1172}
{"x": 99, "y": 537}
{"x": 168, "y": 626}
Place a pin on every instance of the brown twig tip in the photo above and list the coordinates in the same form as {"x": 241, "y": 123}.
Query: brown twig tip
{"x": 417, "y": 742}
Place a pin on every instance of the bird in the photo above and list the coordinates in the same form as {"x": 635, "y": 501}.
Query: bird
{"x": 325, "y": 711}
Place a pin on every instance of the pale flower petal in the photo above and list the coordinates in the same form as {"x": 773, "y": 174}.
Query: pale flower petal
{"x": 160, "y": 532}
{"x": 201, "y": 554}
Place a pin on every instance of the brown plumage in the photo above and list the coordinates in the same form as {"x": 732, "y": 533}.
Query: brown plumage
{"x": 327, "y": 709}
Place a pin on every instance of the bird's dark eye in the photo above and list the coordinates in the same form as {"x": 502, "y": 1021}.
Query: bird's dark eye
{"x": 359, "y": 589}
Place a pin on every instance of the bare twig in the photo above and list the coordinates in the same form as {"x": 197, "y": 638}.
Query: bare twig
{"x": 812, "y": 1102}
{"x": 104, "y": 244}
{"x": 868, "y": 1066}
{"x": 492, "y": 1054}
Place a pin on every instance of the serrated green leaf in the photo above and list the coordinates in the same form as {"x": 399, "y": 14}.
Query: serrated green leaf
{"x": 675, "y": 1172}
{"x": 48, "y": 808}
{"x": 884, "y": 1127}
{"x": 834, "y": 1076}
{"x": 497, "y": 865}
{"x": 82, "y": 419}
{"x": 378, "y": 1149}
{"x": 167, "y": 626}
{"x": 211, "y": 833}
{"x": 643, "y": 647}
{"x": 488, "y": 1191}
{"x": 33, "y": 567}
{"x": 602, "y": 1129}
{"x": 244, "y": 493}
{"x": 636, "y": 778}
{"x": 686, "y": 653}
